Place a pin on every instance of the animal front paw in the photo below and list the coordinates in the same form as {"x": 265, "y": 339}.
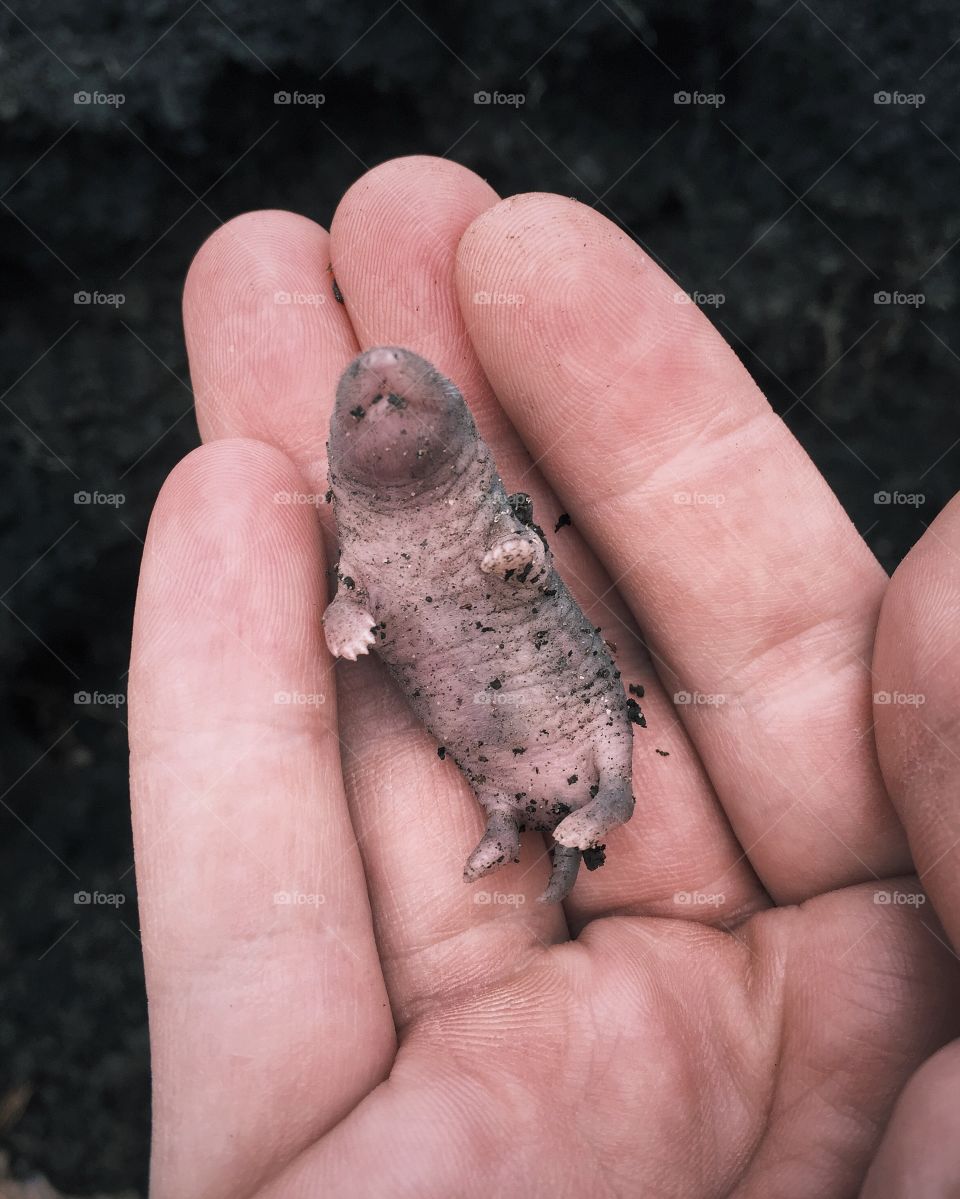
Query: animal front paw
{"x": 349, "y": 630}
{"x": 518, "y": 552}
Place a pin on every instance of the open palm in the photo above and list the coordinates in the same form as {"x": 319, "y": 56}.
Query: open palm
{"x": 734, "y": 1002}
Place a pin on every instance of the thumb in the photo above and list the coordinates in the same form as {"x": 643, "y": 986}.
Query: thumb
{"x": 917, "y": 700}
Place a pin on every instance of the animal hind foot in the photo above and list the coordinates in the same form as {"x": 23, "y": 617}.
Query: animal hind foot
{"x": 498, "y": 845}
{"x": 566, "y": 863}
{"x": 587, "y": 827}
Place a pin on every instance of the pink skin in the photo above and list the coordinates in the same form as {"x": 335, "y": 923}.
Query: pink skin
{"x": 462, "y": 602}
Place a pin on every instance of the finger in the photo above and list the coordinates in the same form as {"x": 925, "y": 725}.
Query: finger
{"x": 759, "y": 605}
{"x": 916, "y": 699}
{"x": 918, "y": 1154}
{"x": 267, "y": 1005}
{"x": 394, "y": 237}
{"x": 266, "y": 338}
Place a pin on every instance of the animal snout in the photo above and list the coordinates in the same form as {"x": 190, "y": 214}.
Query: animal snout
{"x": 379, "y": 359}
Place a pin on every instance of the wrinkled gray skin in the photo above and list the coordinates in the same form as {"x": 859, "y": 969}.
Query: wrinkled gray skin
{"x": 453, "y": 585}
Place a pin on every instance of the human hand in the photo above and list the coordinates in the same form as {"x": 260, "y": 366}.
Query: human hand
{"x": 739, "y": 1009}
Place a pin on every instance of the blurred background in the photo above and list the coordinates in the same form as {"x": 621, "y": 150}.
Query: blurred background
{"x": 793, "y": 166}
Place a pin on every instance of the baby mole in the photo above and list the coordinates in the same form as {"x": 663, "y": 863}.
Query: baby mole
{"x": 451, "y": 582}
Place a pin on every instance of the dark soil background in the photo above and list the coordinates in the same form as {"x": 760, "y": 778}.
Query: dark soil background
{"x": 797, "y": 199}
